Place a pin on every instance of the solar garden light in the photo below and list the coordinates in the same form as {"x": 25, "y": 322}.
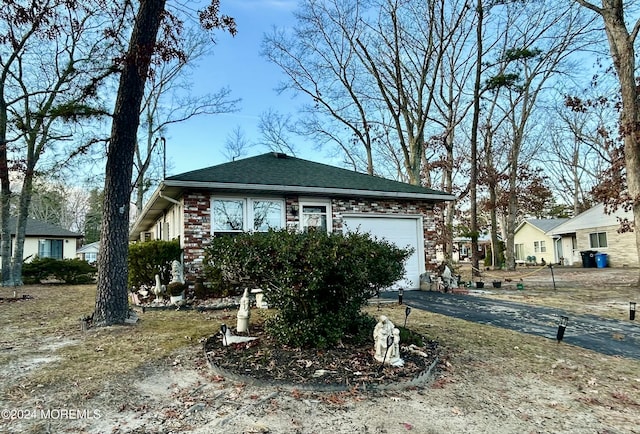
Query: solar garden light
{"x": 389, "y": 345}
{"x": 632, "y": 310}
{"x": 400, "y": 294}
{"x": 562, "y": 325}
{"x": 407, "y": 311}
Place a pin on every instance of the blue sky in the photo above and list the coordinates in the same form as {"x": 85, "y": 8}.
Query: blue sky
{"x": 235, "y": 63}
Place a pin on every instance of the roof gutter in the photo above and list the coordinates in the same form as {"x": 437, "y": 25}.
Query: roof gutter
{"x": 170, "y": 199}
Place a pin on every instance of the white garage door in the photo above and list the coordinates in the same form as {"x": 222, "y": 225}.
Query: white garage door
{"x": 402, "y": 232}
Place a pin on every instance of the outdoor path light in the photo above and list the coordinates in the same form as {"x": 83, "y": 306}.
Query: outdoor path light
{"x": 562, "y": 325}
{"x": 407, "y": 311}
{"x": 400, "y": 294}
{"x": 632, "y": 310}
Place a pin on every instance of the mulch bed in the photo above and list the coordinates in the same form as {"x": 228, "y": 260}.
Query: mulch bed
{"x": 340, "y": 367}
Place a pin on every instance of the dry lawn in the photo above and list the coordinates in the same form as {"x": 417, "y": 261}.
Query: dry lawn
{"x": 152, "y": 377}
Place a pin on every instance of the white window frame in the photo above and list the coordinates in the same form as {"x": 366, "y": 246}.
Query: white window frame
{"x": 251, "y": 215}
{"x": 247, "y": 212}
{"x": 540, "y": 246}
{"x": 597, "y": 234}
{"x": 519, "y": 251}
{"x": 315, "y": 202}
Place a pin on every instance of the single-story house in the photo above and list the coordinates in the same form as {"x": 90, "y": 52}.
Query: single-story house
{"x": 46, "y": 240}
{"x": 273, "y": 191}
{"x": 89, "y": 252}
{"x": 462, "y": 249}
{"x": 596, "y": 231}
{"x": 531, "y": 240}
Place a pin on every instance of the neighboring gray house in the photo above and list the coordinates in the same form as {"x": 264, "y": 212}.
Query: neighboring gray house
{"x": 46, "y": 240}
{"x": 274, "y": 190}
{"x": 596, "y": 230}
{"x": 89, "y": 252}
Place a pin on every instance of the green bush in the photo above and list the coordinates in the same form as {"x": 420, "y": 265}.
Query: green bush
{"x": 149, "y": 258}
{"x": 70, "y": 271}
{"x": 218, "y": 286}
{"x": 317, "y": 281}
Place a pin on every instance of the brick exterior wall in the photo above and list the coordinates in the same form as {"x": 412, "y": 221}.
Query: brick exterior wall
{"x": 197, "y": 230}
{"x": 197, "y": 221}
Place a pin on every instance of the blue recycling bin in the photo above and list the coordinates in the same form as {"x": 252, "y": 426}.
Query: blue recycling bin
{"x": 601, "y": 260}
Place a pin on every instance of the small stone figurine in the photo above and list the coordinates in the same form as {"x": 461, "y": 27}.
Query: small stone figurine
{"x": 394, "y": 351}
{"x": 158, "y": 289}
{"x": 384, "y": 353}
{"x": 383, "y": 329}
{"x": 176, "y": 272}
{"x": 243, "y": 313}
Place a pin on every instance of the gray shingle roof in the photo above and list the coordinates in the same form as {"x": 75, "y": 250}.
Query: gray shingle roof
{"x": 273, "y": 169}
{"x": 545, "y": 225}
{"x": 37, "y": 228}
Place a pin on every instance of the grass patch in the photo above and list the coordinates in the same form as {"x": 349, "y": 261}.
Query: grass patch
{"x": 500, "y": 352}
{"x": 81, "y": 365}
{"x": 50, "y": 323}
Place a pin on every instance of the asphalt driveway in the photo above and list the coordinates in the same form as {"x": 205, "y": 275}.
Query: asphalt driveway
{"x": 606, "y": 336}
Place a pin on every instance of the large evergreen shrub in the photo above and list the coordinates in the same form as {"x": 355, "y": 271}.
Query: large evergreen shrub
{"x": 70, "y": 271}
{"x": 317, "y": 281}
{"x": 146, "y": 259}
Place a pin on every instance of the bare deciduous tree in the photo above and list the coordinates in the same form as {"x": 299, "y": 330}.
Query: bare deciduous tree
{"x": 52, "y": 64}
{"x": 237, "y": 145}
{"x": 540, "y": 40}
{"x": 111, "y": 298}
{"x": 275, "y": 129}
{"x": 622, "y": 49}
{"x": 168, "y": 101}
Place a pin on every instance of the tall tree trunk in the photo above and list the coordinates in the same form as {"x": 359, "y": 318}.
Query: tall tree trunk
{"x": 621, "y": 46}
{"x": 21, "y": 227}
{"x": 473, "y": 191}
{"x": 5, "y": 194}
{"x": 111, "y": 299}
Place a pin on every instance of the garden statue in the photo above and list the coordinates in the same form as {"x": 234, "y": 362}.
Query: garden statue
{"x": 176, "y": 272}
{"x": 243, "y": 313}
{"x": 158, "y": 289}
{"x": 394, "y": 351}
{"x": 383, "y": 330}
{"x": 230, "y": 339}
{"x": 448, "y": 280}
{"x": 260, "y": 303}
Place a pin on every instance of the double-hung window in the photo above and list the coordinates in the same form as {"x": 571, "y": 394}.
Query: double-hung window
{"x": 539, "y": 246}
{"x": 598, "y": 240}
{"x": 235, "y": 215}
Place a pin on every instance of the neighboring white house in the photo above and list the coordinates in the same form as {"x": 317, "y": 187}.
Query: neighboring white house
{"x": 46, "y": 240}
{"x": 89, "y": 252}
{"x": 531, "y": 240}
{"x": 595, "y": 230}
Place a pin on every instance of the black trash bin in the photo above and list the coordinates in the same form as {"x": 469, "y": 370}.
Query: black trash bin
{"x": 588, "y": 258}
